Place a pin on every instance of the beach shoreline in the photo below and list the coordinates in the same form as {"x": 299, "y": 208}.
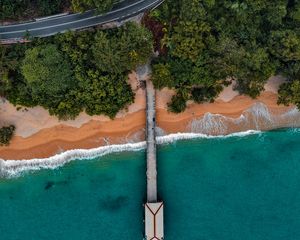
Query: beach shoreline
{"x": 230, "y": 113}
{"x": 130, "y": 128}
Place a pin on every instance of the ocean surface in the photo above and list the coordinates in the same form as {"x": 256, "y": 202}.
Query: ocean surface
{"x": 232, "y": 188}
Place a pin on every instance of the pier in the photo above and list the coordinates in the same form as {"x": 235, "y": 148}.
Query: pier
{"x": 154, "y": 221}
{"x": 151, "y": 144}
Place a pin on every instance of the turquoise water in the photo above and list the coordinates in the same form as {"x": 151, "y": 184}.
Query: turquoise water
{"x": 214, "y": 189}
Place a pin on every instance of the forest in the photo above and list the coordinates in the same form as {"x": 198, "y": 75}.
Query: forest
{"x": 100, "y": 5}
{"x": 203, "y": 46}
{"x": 28, "y": 9}
{"x": 206, "y": 44}
{"x": 75, "y": 71}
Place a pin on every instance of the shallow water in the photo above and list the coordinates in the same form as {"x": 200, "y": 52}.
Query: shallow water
{"x": 214, "y": 189}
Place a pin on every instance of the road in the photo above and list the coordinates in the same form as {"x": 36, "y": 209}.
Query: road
{"x": 51, "y": 26}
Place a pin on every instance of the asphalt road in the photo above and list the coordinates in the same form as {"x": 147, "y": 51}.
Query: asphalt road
{"x": 51, "y": 26}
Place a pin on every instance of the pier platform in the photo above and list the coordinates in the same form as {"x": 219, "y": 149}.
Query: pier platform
{"x": 154, "y": 221}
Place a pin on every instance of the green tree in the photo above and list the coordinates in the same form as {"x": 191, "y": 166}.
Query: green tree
{"x": 6, "y": 134}
{"x": 162, "y": 76}
{"x": 122, "y": 49}
{"x": 3, "y": 71}
{"x": 104, "y": 94}
{"x": 205, "y": 94}
{"x": 289, "y": 93}
{"x": 186, "y": 47}
{"x": 48, "y": 74}
{"x": 285, "y": 45}
{"x": 20, "y": 9}
{"x": 294, "y": 12}
{"x": 254, "y": 71}
{"x": 178, "y": 101}
{"x": 100, "y": 5}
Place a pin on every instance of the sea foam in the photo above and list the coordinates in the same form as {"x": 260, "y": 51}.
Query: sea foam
{"x": 257, "y": 117}
{"x": 14, "y": 168}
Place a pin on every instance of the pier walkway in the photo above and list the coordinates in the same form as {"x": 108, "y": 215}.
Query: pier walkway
{"x": 154, "y": 210}
{"x": 151, "y": 144}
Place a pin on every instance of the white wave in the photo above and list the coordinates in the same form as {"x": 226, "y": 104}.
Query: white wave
{"x": 260, "y": 113}
{"x": 186, "y": 136}
{"x": 257, "y": 117}
{"x": 159, "y": 131}
{"x": 294, "y": 130}
{"x": 13, "y": 168}
{"x": 209, "y": 123}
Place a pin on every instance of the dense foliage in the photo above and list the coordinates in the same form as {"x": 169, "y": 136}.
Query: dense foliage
{"x": 18, "y": 9}
{"x": 6, "y": 133}
{"x": 290, "y": 93}
{"x": 100, "y": 5}
{"x": 210, "y": 43}
{"x": 27, "y": 9}
{"x": 47, "y": 74}
{"x": 123, "y": 51}
{"x": 75, "y": 72}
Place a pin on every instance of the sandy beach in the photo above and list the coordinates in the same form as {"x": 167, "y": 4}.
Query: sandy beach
{"x": 39, "y": 135}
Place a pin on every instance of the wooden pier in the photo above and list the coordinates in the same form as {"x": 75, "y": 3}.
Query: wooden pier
{"x": 154, "y": 221}
{"x": 151, "y": 144}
